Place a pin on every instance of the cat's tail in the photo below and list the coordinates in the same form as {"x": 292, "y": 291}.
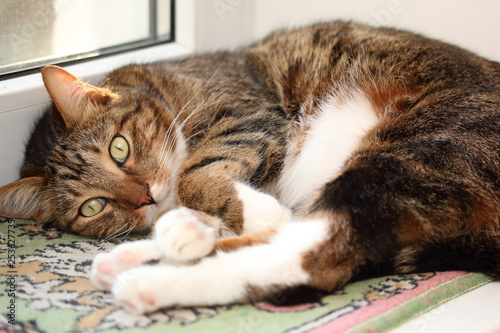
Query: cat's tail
{"x": 476, "y": 253}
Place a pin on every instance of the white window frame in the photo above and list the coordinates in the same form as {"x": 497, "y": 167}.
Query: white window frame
{"x": 198, "y": 26}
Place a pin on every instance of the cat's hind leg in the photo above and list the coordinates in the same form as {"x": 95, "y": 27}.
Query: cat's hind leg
{"x": 246, "y": 274}
{"x": 179, "y": 238}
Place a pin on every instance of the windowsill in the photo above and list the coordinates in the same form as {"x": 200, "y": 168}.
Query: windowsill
{"x": 28, "y": 90}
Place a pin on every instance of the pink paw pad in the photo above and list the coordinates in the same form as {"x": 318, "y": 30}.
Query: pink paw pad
{"x": 190, "y": 225}
{"x": 182, "y": 215}
{"x": 106, "y": 268}
{"x": 103, "y": 282}
{"x": 129, "y": 304}
{"x": 148, "y": 298}
{"x": 128, "y": 258}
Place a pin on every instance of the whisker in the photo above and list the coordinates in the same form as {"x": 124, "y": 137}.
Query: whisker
{"x": 113, "y": 235}
{"x": 128, "y": 233}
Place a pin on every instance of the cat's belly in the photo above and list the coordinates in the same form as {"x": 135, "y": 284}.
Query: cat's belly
{"x": 320, "y": 146}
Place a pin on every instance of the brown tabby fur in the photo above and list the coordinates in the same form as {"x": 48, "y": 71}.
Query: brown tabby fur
{"x": 420, "y": 192}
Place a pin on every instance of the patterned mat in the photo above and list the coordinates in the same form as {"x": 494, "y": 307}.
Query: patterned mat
{"x": 44, "y": 288}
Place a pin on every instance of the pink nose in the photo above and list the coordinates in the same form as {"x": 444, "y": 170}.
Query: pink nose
{"x": 145, "y": 198}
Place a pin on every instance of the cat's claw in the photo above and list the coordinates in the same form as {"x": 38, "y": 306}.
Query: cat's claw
{"x": 182, "y": 237}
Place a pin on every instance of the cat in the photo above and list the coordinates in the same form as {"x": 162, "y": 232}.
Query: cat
{"x": 313, "y": 157}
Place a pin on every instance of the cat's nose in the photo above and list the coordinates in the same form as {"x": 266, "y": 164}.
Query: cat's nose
{"x": 145, "y": 198}
{"x": 133, "y": 193}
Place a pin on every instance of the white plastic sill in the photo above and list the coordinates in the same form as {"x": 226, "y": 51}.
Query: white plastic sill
{"x": 477, "y": 311}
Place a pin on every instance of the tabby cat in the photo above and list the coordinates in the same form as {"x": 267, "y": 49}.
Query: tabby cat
{"x": 313, "y": 157}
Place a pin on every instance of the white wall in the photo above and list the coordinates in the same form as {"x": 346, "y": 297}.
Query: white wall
{"x": 473, "y": 24}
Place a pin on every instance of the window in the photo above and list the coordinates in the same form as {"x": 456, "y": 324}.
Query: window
{"x": 38, "y": 32}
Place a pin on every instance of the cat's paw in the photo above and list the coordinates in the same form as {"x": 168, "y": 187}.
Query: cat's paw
{"x": 107, "y": 266}
{"x": 147, "y": 288}
{"x": 261, "y": 211}
{"x": 182, "y": 237}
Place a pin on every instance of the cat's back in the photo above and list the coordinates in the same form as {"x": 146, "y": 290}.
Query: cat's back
{"x": 339, "y": 52}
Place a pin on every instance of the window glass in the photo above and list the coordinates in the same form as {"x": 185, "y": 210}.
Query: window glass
{"x": 38, "y": 32}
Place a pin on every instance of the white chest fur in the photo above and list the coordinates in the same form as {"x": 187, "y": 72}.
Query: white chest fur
{"x": 322, "y": 145}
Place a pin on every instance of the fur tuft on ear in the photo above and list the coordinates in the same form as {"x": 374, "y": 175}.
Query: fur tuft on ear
{"x": 21, "y": 198}
{"x": 71, "y": 96}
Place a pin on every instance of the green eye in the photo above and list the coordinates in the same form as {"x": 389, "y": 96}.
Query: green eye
{"x": 119, "y": 149}
{"x": 92, "y": 207}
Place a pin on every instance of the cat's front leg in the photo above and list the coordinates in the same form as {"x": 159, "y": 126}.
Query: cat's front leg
{"x": 226, "y": 174}
{"x": 242, "y": 208}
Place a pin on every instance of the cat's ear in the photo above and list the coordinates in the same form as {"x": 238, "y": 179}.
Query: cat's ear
{"x": 21, "y": 198}
{"x": 71, "y": 95}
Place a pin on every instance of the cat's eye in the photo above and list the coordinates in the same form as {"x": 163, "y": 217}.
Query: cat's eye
{"x": 92, "y": 207}
{"x": 119, "y": 149}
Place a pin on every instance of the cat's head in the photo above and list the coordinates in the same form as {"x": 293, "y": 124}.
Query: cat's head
{"x": 114, "y": 167}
